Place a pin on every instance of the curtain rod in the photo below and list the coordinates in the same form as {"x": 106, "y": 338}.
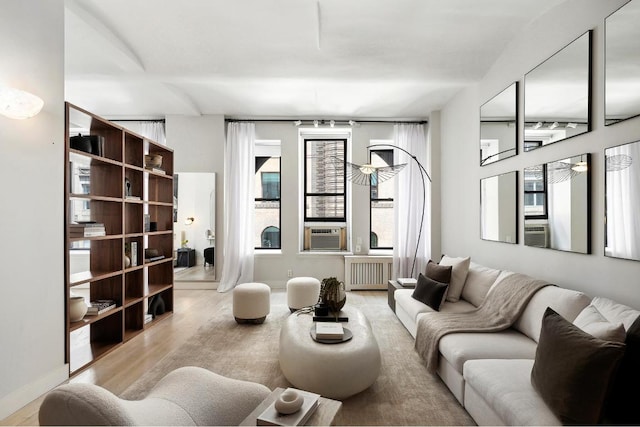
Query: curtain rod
{"x": 326, "y": 121}
{"x": 140, "y": 120}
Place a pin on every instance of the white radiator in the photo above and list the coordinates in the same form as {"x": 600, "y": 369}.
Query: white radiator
{"x": 367, "y": 272}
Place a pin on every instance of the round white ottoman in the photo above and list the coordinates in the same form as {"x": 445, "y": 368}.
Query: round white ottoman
{"x": 336, "y": 371}
{"x": 251, "y": 302}
{"x": 302, "y": 292}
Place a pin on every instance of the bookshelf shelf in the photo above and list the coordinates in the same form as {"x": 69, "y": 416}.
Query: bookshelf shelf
{"x": 109, "y": 190}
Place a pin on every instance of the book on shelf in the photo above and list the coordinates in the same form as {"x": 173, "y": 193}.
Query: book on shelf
{"x": 155, "y": 258}
{"x": 156, "y": 170}
{"x": 271, "y": 417}
{"x": 134, "y": 254}
{"x": 329, "y": 331}
{"x": 133, "y": 198}
{"x": 100, "y": 306}
{"x": 407, "y": 281}
{"x": 87, "y": 230}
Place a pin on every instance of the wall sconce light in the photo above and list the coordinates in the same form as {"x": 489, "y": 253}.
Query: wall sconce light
{"x": 189, "y": 220}
{"x": 18, "y": 104}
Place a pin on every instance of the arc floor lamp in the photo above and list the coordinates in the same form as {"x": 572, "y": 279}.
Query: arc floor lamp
{"x": 368, "y": 174}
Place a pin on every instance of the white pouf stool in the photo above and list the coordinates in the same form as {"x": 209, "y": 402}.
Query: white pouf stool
{"x": 302, "y": 292}
{"x": 251, "y": 302}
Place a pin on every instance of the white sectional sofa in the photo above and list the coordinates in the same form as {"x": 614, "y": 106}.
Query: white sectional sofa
{"x": 490, "y": 373}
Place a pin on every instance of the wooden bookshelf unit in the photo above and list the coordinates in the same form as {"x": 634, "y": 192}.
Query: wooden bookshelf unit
{"x": 109, "y": 186}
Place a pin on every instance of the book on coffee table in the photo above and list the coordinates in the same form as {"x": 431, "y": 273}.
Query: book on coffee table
{"x": 329, "y": 331}
{"x": 271, "y": 417}
{"x": 407, "y": 281}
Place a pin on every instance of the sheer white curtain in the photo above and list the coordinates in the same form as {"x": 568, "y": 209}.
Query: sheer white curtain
{"x": 152, "y": 129}
{"x": 408, "y": 202}
{"x": 623, "y": 199}
{"x": 239, "y": 171}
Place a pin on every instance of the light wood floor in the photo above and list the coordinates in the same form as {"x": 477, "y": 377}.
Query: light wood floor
{"x": 120, "y": 368}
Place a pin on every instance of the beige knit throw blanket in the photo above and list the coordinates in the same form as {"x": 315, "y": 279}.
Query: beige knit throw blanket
{"x": 500, "y": 309}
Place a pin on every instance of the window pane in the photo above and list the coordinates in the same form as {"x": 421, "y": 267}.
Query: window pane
{"x": 325, "y": 166}
{"x": 267, "y": 224}
{"x": 382, "y": 224}
{"x": 328, "y": 207}
{"x": 267, "y": 178}
{"x": 381, "y": 190}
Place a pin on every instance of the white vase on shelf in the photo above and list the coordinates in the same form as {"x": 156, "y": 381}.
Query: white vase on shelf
{"x": 77, "y": 308}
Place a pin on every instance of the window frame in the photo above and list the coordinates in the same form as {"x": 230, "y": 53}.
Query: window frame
{"x": 306, "y": 194}
{"x": 377, "y": 199}
{"x": 269, "y": 199}
{"x": 544, "y": 192}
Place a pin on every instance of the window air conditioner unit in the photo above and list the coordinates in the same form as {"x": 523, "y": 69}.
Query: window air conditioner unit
{"x": 325, "y": 238}
{"x": 536, "y": 235}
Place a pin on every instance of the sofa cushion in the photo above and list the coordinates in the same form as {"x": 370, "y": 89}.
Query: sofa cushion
{"x": 505, "y": 385}
{"x": 429, "y": 291}
{"x": 615, "y": 312}
{"x": 439, "y": 273}
{"x": 460, "y": 268}
{"x": 509, "y": 344}
{"x": 566, "y": 302}
{"x": 479, "y": 280}
{"x": 572, "y": 368}
{"x": 591, "y": 321}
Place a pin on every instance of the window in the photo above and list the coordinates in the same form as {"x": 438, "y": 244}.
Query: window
{"x": 535, "y": 192}
{"x": 325, "y": 180}
{"x": 267, "y": 202}
{"x": 381, "y": 203}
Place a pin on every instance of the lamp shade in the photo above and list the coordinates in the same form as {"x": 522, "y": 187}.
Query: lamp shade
{"x": 18, "y": 104}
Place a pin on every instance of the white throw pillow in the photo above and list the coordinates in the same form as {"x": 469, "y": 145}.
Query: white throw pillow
{"x": 459, "y": 270}
{"x": 594, "y": 323}
{"x": 615, "y": 312}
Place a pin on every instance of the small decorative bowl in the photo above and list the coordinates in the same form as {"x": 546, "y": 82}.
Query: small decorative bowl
{"x": 288, "y": 402}
{"x": 153, "y": 160}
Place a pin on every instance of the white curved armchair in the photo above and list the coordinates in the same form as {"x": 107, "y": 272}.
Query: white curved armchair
{"x": 186, "y": 396}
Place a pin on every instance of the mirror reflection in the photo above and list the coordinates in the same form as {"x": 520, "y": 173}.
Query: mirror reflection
{"x": 622, "y": 63}
{"x": 557, "y": 210}
{"x": 498, "y": 130}
{"x": 557, "y": 96}
{"x": 194, "y": 217}
{"x": 499, "y": 208}
{"x": 622, "y": 201}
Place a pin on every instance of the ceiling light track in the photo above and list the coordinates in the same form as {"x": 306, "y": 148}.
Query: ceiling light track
{"x": 326, "y": 122}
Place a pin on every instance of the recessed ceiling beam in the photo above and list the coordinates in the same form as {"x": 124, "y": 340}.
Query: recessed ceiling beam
{"x": 126, "y": 56}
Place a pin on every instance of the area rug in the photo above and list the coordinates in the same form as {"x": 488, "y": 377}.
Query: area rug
{"x": 404, "y": 393}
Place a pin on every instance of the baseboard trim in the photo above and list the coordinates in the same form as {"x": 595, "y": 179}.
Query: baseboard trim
{"x": 29, "y": 392}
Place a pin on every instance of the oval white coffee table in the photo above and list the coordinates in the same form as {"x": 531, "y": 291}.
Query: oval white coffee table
{"x": 336, "y": 371}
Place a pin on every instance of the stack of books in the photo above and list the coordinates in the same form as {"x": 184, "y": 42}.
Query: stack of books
{"x": 100, "y": 306}
{"x": 156, "y": 170}
{"x": 271, "y": 417}
{"x": 86, "y": 229}
{"x": 407, "y": 281}
{"x": 148, "y": 318}
{"x": 329, "y": 331}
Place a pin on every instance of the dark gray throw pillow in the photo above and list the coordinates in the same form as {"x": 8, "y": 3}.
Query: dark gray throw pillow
{"x": 573, "y": 369}
{"x": 429, "y": 291}
{"x": 621, "y": 406}
{"x": 439, "y": 273}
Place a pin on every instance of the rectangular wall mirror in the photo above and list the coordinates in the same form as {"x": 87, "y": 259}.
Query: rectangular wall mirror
{"x": 622, "y": 63}
{"x": 499, "y": 208}
{"x": 557, "y": 208}
{"x": 194, "y": 204}
{"x": 498, "y": 126}
{"x": 557, "y": 96}
{"x": 622, "y": 201}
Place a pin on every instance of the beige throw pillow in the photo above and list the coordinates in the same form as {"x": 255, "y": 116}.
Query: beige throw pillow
{"x": 459, "y": 270}
{"x": 591, "y": 321}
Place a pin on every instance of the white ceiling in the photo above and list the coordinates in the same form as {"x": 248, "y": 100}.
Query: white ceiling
{"x": 283, "y": 58}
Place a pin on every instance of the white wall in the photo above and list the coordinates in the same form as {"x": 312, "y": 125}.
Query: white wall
{"x": 32, "y": 344}
{"x": 594, "y": 274}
